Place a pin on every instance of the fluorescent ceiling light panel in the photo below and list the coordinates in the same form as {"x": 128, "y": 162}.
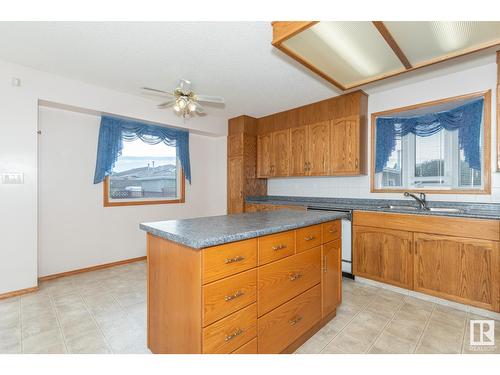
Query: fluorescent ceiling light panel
{"x": 349, "y": 52}
{"x": 422, "y": 41}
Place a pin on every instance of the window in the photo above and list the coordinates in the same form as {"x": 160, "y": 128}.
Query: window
{"x": 435, "y": 161}
{"x": 145, "y": 174}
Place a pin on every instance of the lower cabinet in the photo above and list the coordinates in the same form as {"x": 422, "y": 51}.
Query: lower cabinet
{"x": 463, "y": 269}
{"x": 285, "y": 324}
{"x": 384, "y": 255}
{"x": 331, "y": 276}
{"x": 427, "y": 257}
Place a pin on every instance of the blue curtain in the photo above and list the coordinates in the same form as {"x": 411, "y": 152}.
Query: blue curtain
{"x": 115, "y": 130}
{"x": 465, "y": 118}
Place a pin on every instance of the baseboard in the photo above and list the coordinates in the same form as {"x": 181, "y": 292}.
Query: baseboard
{"x": 16, "y": 293}
{"x": 88, "y": 269}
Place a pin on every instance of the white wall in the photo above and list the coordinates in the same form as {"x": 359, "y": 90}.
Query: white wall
{"x": 75, "y": 230}
{"x": 18, "y": 153}
{"x": 464, "y": 82}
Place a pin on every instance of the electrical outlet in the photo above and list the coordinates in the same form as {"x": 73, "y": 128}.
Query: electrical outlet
{"x": 13, "y": 178}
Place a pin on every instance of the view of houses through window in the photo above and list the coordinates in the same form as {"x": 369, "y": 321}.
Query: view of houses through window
{"x": 429, "y": 162}
{"x": 145, "y": 172}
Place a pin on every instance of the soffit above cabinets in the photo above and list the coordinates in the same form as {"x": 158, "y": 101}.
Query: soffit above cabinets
{"x": 353, "y": 53}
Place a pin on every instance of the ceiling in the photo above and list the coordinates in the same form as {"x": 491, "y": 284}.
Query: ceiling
{"x": 232, "y": 59}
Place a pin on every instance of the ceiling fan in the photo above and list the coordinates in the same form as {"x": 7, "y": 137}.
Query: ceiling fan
{"x": 183, "y": 98}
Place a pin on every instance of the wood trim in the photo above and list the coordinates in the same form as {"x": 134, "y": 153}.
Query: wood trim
{"x": 108, "y": 203}
{"x": 283, "y": 30}
{"x": 92, "y": 268}
{"x": 392, "y": 43}
{"x": 483, "y": 229}
{"x": 486, "y": 146}
{"x": 19, "y": 292}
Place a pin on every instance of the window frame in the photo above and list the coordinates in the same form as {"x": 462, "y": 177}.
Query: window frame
{"x": 486, "y": 152}
{"x": 114, "y": 203}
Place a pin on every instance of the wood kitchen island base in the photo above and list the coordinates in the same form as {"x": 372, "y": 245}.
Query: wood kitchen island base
{"x": 268, "y": 294}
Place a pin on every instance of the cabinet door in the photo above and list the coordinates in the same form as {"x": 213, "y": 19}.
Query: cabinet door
{"x": 281, "y": 153}
{"x": 235, "y": 145}
{"x": 331, "y": 276}
{"x": 461, "y": 269}
{"x": 235, "y": 203}
{"x": 264, "y": 153}
{"x": 318, "y": 149}
{"x": 384, "y": 255}
{"x": 345, "y": 145}
{"x": 298, "y": 148}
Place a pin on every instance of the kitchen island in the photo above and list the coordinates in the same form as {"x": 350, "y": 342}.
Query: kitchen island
{"x": 249, "y": 283}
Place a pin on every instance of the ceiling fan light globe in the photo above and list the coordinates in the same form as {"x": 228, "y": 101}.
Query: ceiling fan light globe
{"x": 176, "y": 108}
{"x": 181, "y": 103}
{"x": 192, "y": 106}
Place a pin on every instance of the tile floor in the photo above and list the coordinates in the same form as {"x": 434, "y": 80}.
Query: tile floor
{"x": 105, "y": 312}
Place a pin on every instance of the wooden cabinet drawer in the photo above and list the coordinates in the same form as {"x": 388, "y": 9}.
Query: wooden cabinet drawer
{"x": 230, "y": 333}
{"x": 308, "y": 237}
{"x": 225, "y": 296}
{"x": 248, "y": 348}
{"x": 276, "y": 246}
{"x": 282, "y": 326}
{"x": 284, "y": 279}
{"x": 331, "y": 230}
{"x": 229, "y": 259}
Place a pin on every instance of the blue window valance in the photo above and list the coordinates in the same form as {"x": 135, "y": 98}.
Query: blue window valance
{"x": 465, "y": 118}
{"x": 114, "y": 130}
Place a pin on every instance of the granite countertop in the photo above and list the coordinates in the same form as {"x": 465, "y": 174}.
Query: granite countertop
{"x": 471, "y": 210}
{"x": 216, "y": 230}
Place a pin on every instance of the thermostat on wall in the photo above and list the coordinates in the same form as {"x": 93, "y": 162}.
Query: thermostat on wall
{"x": 13, "y": 178}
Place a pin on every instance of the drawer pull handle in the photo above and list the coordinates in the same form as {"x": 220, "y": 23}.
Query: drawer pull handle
{"x": 279, "y": 247}
{"x": 239, "y": 293}
{"x": 231, "y": 336}
{"x": 333, "y": 230}
{"x": 309, "y": 238}
{"x": 239, "y": 258}
{"x": 295, "y": 276}
{"x": 295, "y": 320}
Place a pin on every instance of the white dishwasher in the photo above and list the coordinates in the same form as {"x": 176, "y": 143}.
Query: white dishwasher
{"x": 346, "y": 238}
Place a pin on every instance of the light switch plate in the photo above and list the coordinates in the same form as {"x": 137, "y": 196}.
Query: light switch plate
{"x": 13, "y": 178}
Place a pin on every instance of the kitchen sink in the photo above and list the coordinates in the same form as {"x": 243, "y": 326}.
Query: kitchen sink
{"x": 445, "y": 209}
{"x": 402, "y": 208}
{"x": 413, "y": 208}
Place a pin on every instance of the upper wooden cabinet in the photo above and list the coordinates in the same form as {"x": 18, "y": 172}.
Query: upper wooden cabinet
{"x": 264, "y": 155}
{"x": 273, "y": 154}
{"x": 320, "y": 139}
{"x": 348, "y": 146}
{"x": 318, "y": 149}
{"x": 298, "y": 151}
{"x": 241, "y": 164}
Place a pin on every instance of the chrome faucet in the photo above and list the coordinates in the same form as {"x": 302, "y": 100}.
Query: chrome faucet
{"x": 422, "y": 202}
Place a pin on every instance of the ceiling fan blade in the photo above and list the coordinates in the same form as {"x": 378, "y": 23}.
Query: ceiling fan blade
{"x": 166, "y": 104}
{"x": 185, "y": 86}
{"x": 199, "y": 108}
{"x": 210, "y": 99}
{"x": 149, "y": 90}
